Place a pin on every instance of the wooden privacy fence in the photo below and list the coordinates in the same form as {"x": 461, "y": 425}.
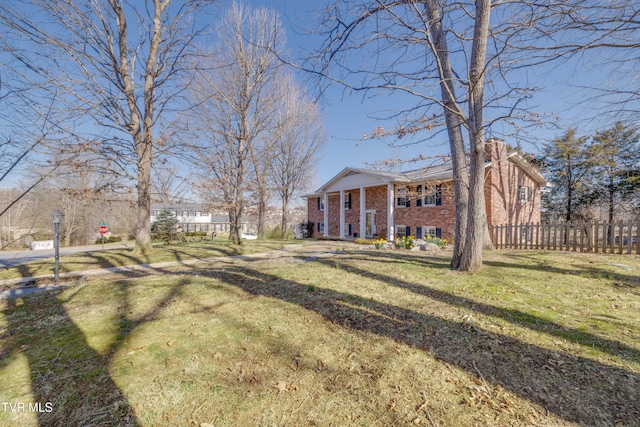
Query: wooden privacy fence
{"x": 620, "y": 237}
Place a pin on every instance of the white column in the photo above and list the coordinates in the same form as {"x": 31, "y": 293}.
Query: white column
{"x": 326, "y": 214}
{"x": 390, "y": 212}
{"x": 342, "y": 214}
{"x": 363, "y": 214}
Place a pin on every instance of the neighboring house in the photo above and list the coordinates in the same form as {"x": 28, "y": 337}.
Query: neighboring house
{"x": 194, "y": 217}
{"x": 368, "y": 203}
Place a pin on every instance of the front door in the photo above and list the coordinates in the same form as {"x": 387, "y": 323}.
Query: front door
{"x": 370, "y": 223}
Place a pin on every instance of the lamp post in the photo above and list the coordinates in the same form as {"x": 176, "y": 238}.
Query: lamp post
{"x": 57, "y": 217}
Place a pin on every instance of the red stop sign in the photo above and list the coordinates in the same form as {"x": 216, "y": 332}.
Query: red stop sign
{"x": 104, "y": 229}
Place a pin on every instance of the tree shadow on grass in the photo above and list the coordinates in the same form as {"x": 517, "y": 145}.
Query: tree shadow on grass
{"x": 516, "y": 317}
{"x": 576, "y": 389}
{"x": 69, "y": 380}
{"x": 65, "y": 370}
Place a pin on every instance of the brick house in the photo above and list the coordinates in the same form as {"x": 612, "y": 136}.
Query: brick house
{"x": 368, "y": 203}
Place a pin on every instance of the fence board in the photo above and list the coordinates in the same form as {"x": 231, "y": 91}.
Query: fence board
{"x": 620, "y": 237}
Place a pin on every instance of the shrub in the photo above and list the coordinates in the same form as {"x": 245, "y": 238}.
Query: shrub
{"x": 441, "y": 243}
{"x": 110, "y": 239}
{"x": 197, "y": 234}
{"x": 379, "y": 243}
{"x": 307, "y": 229}
{"x": 404, "y": 242}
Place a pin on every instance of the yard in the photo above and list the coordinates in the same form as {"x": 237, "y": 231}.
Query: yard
{"x": 332, "y": 336}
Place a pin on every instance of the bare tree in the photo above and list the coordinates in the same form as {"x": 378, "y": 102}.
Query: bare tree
{"x": 235, "y": 104}
{"x": 463, "y": 63}
{"x": 115, "y": 66}
{"x": 298, "y": 138}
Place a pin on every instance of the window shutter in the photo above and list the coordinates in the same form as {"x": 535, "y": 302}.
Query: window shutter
{"x": 349, "y": 224}
{"x": 318, "y": 224}
{"x": 318, "y": 200}
{"x": 419, "y": 233}
{"x": 419, "y": 191}
{"x": 408, "y": 232}
{"x": 439, "y": 195}
{"x": 439, "y": 232}
{"x": 347, "y": 203}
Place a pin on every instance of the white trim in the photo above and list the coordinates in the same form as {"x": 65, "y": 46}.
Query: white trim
{"x": 373, "y": 222}
{"x": 326, "y": 215}
{"x": 342, "y": 214}
{"x": 390, "y": 211}
{"x": 363, "y": 218}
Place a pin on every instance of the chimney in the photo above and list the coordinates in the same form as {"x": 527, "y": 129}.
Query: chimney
{"x": 494, "y": 149}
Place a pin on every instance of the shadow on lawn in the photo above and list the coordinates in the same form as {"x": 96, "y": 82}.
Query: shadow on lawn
{"x": 574, "y": 388}
{"x": 65, "y": 370}
{"x": 516, "y": 317}
{"x": 69, "y": 380}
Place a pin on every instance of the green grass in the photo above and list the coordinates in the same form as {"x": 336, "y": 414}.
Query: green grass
{"x": 363, "y": 338}
{"x": 161, "y": 253}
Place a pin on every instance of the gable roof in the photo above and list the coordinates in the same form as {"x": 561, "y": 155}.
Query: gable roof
{"x": 350, "y": 178}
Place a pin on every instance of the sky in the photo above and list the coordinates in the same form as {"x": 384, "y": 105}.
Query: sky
{"x": 347, "y": 116}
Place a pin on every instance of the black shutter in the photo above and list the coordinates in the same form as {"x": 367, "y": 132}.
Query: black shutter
{"x": 419, "y": 191}
{"x": 439, "y": 232}
{"x": 407, "y": 202}
{"x": 318, "y": 225}
{"x": 347, "y": 202}
{"x": 318, "y": 204}
{"x": 419, "y": 233}
{"x": 408, "y": 232}
{"x": 438, "y": 195}
{"x": 350, "y": 230}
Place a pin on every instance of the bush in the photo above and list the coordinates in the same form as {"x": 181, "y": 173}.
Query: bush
{"x": 404, "y": 242}
{"x": 307, "y": 229}
{"x": 110, "y": 239}
{"x": 441, "y": 243}
{"x": 196, "y": 234}
{"x": 276, "y": 234}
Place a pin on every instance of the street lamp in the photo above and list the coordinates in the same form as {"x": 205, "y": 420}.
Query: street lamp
{"x": 56, "y": 217}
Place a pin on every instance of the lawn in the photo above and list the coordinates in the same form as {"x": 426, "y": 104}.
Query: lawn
{"x": 331, "y": 338}
{"x": 202, "y": 249}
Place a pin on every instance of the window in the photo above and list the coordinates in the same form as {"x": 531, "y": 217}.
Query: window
{"x": 401, "y": 197}
{"x": 153, "y": 213}
{"x": 347, "y": 201}
{"x": 433, "y": 196}
{"x": 320, "y": 203}
{"x": 347, "y": 229}
{"x": 321, "y": 227}
{"x": 524, "y": 193}
{"x": 401, "y": 230}
{"x": 428, "y": 231}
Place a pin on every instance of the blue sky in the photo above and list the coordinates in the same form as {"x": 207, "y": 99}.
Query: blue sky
{"x": 348, "y": 116}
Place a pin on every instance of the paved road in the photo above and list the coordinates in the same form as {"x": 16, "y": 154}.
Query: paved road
{"x": 13, "y": 258}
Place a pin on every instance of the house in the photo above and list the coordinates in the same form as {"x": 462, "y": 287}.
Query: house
{"x": 194, "y": 217}
{"x": 368, "y": 203}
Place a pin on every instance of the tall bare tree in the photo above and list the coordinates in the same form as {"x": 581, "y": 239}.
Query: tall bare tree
{"x": 462, "y": 62}
{"x": 298, "y": 137}
{"x": 115, "y": 66}
{"x": 235, "y": 103}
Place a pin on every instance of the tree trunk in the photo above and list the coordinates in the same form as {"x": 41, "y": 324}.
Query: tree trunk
{"x": 283, "y": 222}
{"x": 262, "y": 213}
{"x": 471, "y": 259}
{"x": 143, "y": 224}
{"x": 453, "y": 117}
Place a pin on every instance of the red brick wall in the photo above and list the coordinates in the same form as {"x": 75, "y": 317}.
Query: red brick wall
{"x": 314, "y": 215}
{"x": 501, "y": 194}
{"x": 443, "y": 216}
{"x": 334, "y": 215}
{"x": 376, "y": 199}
